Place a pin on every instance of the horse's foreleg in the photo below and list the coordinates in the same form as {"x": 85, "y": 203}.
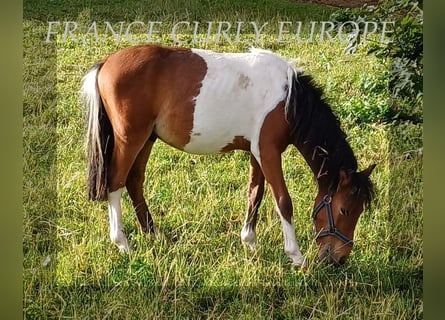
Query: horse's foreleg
{"x": 135, "y": 184}
{"x": 254, "y": 197}
{"x": 271, "y": 165}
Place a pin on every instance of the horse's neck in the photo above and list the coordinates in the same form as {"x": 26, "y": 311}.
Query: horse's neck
{"x": 316, "y": 162}
{"x": 326, "y": 162}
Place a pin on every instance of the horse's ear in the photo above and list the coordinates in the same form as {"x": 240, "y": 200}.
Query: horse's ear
{"x": 367, "y": 172}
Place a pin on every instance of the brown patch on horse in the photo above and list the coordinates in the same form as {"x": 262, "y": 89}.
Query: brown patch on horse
{"x": 274, "y": 138}
{"x": 238, "y": 143}
{"x": 175, "y": 123}
{"x": 150, "y": 89}
{"x": 275, "y": 131}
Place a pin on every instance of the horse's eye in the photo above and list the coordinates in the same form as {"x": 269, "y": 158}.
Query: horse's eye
{"x": 354, "y": 191}
{"x": 344, "y": 211}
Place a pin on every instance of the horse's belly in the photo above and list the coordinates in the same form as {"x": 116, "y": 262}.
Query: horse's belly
{"x": 216, "y": 128}
{"x": 221, "y": 117}
{"x": 214, "y": 141}
{"x": 213, "y": 130}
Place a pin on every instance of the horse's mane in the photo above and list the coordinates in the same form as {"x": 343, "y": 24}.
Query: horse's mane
{"x": 315, "y": 129}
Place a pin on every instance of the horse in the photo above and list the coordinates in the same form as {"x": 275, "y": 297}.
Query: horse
{"x": 205, "y": 102}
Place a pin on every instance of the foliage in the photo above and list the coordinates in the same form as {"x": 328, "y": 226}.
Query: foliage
{"x": 403, "y": 52}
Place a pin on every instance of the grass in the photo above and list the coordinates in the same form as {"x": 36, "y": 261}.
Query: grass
{"x": 196, "y": 266}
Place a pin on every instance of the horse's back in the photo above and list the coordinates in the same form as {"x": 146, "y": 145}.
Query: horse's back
{"x": 238, "y": 91}
{"x": 195, "y": 100}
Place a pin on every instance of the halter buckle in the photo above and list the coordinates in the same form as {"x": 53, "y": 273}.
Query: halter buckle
{"x": 327, "y": 199}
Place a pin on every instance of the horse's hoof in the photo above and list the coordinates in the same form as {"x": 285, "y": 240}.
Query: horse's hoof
{"x": 124, "y": 249}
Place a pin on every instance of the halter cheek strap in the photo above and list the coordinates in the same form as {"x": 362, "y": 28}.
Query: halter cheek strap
{"x": 331, "y": 231}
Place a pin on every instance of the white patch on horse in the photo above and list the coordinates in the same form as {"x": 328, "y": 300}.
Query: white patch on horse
{"x": 117, "y": 236}
{"x": 248, "y": 237}
{"x": 291, "y": 247}
{"x": 237, "y": 93}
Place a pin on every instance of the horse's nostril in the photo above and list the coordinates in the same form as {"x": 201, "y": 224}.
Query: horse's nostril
{"x": 325, "y": 254}
{"x": 341, "y": 261}
{"x": 329, "y": 256}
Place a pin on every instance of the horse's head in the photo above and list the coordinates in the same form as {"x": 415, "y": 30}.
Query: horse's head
{"x": 336, "y": 213}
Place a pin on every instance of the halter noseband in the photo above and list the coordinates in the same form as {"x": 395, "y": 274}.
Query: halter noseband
{"x": 326, "y": 202}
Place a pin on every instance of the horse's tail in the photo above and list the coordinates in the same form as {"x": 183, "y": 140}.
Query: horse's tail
{"x": 99, "y": 139}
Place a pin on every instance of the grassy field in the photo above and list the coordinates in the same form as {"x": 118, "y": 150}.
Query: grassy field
{"x": 196, "y": 266}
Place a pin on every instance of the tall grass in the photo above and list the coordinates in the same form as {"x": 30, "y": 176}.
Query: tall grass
{"x": 196, "y": 267}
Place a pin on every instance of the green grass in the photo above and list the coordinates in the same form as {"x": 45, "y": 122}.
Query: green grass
{"x": 196, "y": 266}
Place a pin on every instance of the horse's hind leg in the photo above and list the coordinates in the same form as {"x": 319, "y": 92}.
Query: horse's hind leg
{"x": 254, "y": 198}
{"x": 135, "y": 183}
{"x": 117, "y": 235}
{"x": 124, "y": 155}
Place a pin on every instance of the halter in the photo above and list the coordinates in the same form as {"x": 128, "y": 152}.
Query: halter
{"x": 326, "y": 202}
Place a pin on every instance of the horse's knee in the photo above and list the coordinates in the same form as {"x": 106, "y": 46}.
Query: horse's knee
{"x": 284, "y": 205}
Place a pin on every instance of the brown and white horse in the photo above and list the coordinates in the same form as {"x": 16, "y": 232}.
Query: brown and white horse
{"x": 205, "y": 102}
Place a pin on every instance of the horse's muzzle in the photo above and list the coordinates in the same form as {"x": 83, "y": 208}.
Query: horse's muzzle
{"x": 331, "y": 256}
